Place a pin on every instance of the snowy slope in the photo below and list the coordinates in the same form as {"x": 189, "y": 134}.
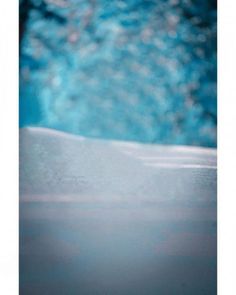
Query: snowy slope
{"x": 107, "y": 217}
{"x": 65, "y": 166}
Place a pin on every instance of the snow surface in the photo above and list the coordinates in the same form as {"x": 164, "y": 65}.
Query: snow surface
{"x": 56, "y": 165}
{"x": 110, "y": 217}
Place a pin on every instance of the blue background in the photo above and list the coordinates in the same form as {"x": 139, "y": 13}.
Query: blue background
{"x": 130, "y": 70}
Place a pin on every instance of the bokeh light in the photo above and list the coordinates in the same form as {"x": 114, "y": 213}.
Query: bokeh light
{"x": 142, "y": 70}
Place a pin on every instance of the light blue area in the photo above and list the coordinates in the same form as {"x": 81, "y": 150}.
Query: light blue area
{"x": 106, "y": 217}
{"x": 129, "y": 70}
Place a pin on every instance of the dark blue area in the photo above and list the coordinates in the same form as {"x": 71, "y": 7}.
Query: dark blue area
{"x": 129, "y": 70}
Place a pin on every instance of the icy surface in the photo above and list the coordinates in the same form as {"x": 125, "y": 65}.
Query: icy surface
{"x": 107, "y": 217}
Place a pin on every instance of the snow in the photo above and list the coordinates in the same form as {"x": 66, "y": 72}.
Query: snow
{"x": 111, "y": 217}
{"x": 54, "y": 163}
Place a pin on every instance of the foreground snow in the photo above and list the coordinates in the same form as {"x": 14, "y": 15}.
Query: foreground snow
{"x": 107, "y": 217}
{"x": 56, "y": 166}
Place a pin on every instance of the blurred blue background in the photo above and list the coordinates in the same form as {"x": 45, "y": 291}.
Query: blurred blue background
{"x": 142, "y": 70}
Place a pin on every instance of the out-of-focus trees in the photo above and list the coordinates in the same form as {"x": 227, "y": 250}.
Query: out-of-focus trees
{"x": 135, "y": 70}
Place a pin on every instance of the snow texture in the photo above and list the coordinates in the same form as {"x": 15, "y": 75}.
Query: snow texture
{"x": 110, "y": 217}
